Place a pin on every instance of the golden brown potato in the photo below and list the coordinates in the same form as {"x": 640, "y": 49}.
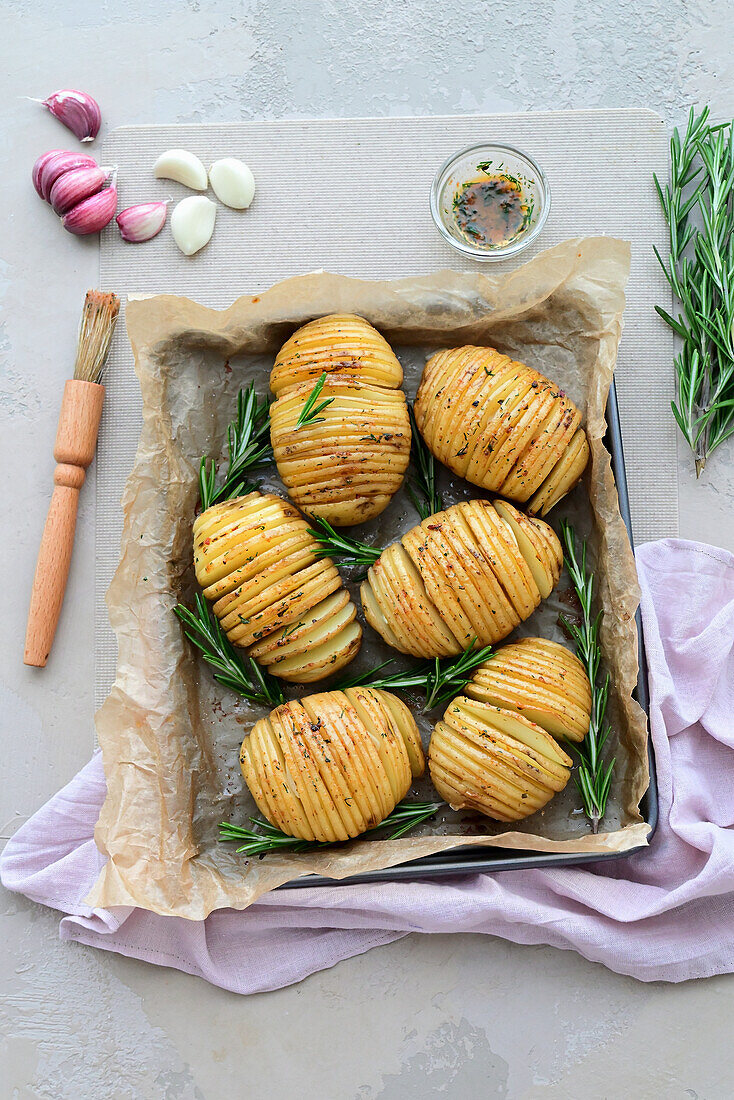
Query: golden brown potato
{"x": 540, "y": 680}
{"x": 345, "y": 465}
{"x": 330, "y": 766}
{"x": 484, "y": 758}
{"x": 475, "y": 570}
{"x": 501, "y": 425}
{"x": 273, "y": 594}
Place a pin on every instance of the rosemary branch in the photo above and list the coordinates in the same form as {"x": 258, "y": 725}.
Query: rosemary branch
{"x": 422, "y": 482}
{"x": 334, "y": 545}
{"x": 248, "y": 449}
{"x": 309, "y": 414}
{"x": 268, "y": 838}
{"x": 593, "y": 776}
{"x": 699, "y": 208}
{"x": 240, "y": 674}
{"x": 438, "y": 680}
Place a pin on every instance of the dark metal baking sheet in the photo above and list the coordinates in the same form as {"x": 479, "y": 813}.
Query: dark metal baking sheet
{"x": 472, "y": 859}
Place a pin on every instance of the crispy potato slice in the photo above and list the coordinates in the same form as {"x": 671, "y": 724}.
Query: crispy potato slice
{"x": 340, "y": 342}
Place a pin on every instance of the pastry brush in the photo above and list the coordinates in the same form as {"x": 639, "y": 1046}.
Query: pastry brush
{"x": 76, "y": 441}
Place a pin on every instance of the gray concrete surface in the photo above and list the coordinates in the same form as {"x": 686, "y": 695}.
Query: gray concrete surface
{"x": 454, "y": 1016}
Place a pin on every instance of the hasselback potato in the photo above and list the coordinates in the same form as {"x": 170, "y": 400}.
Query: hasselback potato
{"x": 346, "y": 464}
{"x": 473, "y": 571}
{"x": 330, "y": 766}
{"x": 273, "y": 594}
{"x": 541, "y": 680}
{"x": 501, "y": 425}
{"x": 494, "y": 751}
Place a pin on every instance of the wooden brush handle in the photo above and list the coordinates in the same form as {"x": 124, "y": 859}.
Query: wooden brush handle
{"x": 76, "y": 440}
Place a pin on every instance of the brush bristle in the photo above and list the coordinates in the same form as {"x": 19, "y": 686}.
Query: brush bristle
{"x": 95, "y": 332}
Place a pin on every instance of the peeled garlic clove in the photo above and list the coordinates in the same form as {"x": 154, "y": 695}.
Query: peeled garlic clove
{"x": 92, "y": 214}
{"x": 71, "y": 187}
{"x": 192, "y": 223}
{"x": 50, "y": 166}
{"x": 78, "y": 111}
{"x": 232, "y": 182}
{"x": 142, "y": 222}
{"x": 183, "y": 167}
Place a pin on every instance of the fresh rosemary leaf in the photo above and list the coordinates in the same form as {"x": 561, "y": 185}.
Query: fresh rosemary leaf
{"x": 439, "y": 681}
{"x": 406, "y": 816}
{"x": 334, "y": 545}
{"x": 422, "y": 487}
{"x": 248, "y": 449}
{"x": 309, "y": 414}
{"x": 698, "y": 205}
{"x": 240, "y": 674}
{"x": 593, "y": 776}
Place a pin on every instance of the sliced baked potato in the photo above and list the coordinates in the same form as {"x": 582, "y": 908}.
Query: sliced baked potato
{"x": 273, "y": 593}
{"x": 475, "y": 570}
{"x": 484, "y": 758}
{"x": 501, "y": 425}
{"x": 330, "y": 766}
{"x": 345, "y": 464}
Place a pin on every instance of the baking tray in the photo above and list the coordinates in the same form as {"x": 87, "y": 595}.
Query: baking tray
{"x": 474, "y": 859}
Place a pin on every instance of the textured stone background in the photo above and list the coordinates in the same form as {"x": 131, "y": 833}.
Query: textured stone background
{"x": 456, "y": 1016}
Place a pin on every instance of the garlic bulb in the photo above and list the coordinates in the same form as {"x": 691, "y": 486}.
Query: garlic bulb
{"x": 192, "y": 223}
{"x": 92, "y": 214}
{"x": 53, "y": 164}
{"x": 71, "y": 187}
{"x": 232, "y": 182}
{"x": 142, "y": 222}
{"x": 78, "y": 111}
{"x": 183, "y": 167}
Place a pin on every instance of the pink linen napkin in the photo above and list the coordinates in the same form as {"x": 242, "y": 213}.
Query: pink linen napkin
{"x": 665, "y": 913}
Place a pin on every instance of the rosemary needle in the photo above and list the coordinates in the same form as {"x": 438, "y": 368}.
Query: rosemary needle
{"x": 309, "y": 414}
{"x": 594, "y": 776}
{"x": 422, "y": 486}
{"x": 334, "y": 545}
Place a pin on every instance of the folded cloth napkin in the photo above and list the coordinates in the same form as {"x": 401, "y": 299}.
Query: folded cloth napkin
{"x": 665, "y": 913}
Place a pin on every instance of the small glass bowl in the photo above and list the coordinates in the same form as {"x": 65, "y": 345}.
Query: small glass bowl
{"x": 463, "y": 167}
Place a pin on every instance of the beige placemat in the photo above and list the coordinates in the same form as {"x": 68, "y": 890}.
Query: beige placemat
{"x": 351, "y": 196}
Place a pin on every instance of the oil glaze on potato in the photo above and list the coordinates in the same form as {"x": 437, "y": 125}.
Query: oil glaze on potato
{"x": 273, "y": 594}
{"x": 501, "y": 425}
{"x": 330, "y": 766}
{"x": 475, "y": 570}
{"x": 346, "y": 466}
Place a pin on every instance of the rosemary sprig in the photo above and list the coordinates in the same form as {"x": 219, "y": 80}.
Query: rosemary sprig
{"x": 309, "y": 414}
{"x": 699, "y": 208}
{"x": 594, "y": 776}
{"x": 422, "y": 482}
{"x": 235, "y": 672}
{"x": 438, "y": 680}
{"x": 248, "y": 447}
{"x": 334, "y": 545}
{"x": 268, "y": 838}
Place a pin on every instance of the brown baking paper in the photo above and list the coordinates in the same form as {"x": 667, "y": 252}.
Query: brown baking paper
{"x": 170, "y": 734}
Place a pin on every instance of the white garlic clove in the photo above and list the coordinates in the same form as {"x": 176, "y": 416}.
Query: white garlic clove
{"x": 192, "y": 223}
{"x": 183, "y": 167}
{"x": 78, "y": 111}
{"x": 142, "y": 222}
{"x": 232, "y": 182}
{"x": 92, "y": 214}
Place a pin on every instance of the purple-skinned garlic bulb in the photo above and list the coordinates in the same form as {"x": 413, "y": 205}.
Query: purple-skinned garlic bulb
{"x": 53, "y": 164}
{"x": 142, "y": 222}
{"x": 92, "y": 214}
{"x": 72, "y": 187}
{"x": 78, "y": 111}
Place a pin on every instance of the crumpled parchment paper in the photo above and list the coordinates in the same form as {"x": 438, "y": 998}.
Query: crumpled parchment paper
{"x": 170, "y": 734}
